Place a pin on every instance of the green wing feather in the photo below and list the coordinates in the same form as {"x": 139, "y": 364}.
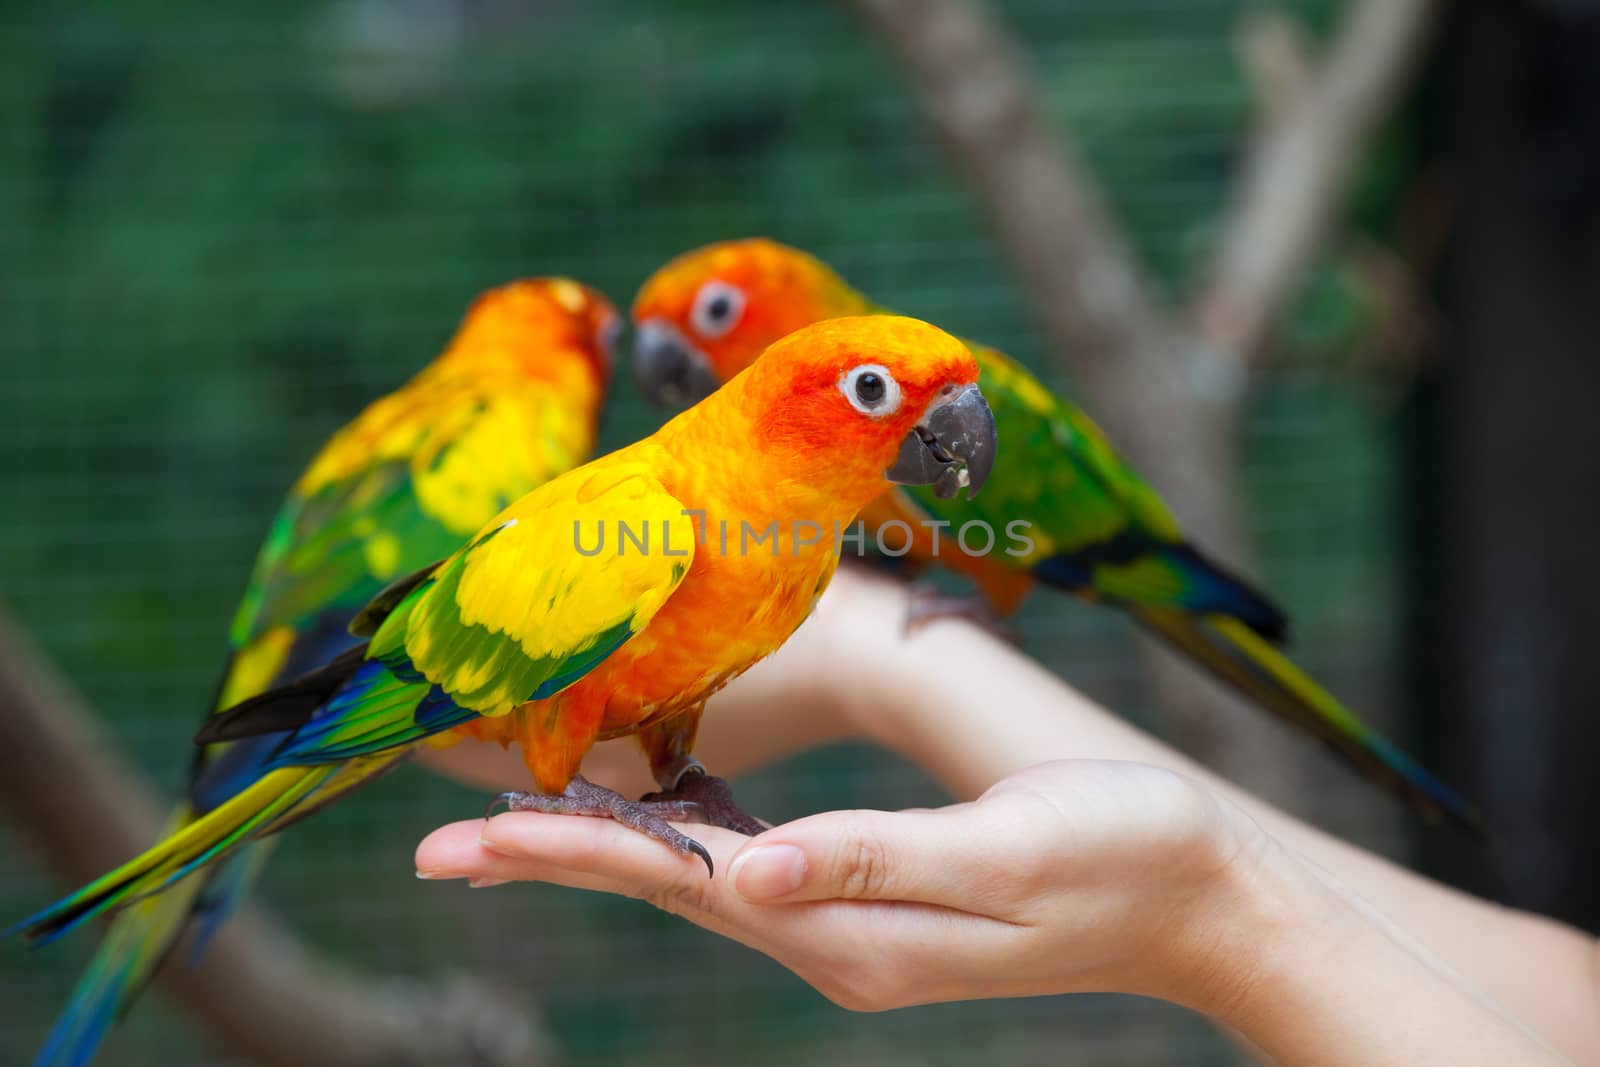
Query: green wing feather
{"x": 404, "y": 485}
{"x": 334, "y": 549}
{"x": 1094, "y": 527}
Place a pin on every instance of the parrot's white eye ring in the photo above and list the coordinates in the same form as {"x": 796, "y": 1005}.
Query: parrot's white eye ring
{"x": 718, "y": 307}
{"x": 871, "y": 390}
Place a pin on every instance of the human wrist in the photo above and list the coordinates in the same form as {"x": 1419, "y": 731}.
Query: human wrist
{"x": 1252, "y": 923}
{"x": 1312, "y": 975}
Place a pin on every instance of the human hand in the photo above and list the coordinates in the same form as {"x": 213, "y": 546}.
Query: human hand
{"x": 1070, "y": 876}
{"x": 973, "y": 719}
{"x": 1066, "y": 877}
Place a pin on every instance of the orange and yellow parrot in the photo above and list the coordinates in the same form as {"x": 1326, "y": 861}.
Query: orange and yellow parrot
{"x": 611, "y": 601}
{"x": 511, "y": 403}
{"x": 1089, "y": 524}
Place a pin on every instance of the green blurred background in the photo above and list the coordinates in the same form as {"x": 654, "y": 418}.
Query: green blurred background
{"x": 226, "y": 226}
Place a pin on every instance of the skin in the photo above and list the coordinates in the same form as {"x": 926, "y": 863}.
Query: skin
{"x": 1261, "y": 908}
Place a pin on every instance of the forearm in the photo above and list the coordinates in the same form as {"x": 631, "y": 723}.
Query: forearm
{"x": 1312, "y": 976}
{"x": 942, "y": 718}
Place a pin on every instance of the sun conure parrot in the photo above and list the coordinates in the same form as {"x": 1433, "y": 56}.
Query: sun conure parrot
{"x": 513, "y": 401}
{"x": 1097, "y": 530}
{"x": 613, "y": 600}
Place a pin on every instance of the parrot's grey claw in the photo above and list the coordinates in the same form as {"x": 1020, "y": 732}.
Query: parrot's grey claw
{"x": 507, "y": 798}
{"x": 700, "y": 850}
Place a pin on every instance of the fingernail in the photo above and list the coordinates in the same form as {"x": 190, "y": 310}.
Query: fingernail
{"x": 485, "y": 883}
{"x": 436, "y": 876}
{"x": 768, "y": 872}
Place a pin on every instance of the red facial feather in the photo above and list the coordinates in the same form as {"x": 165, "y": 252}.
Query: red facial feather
{"x": 803, "y": 408}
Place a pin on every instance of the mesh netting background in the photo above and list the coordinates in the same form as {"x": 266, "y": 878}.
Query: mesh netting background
{"x": 226, "y": 226}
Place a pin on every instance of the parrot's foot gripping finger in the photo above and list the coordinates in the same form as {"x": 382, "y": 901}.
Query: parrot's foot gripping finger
{"x": 713, "y": 799}
{"x": 930, "y": 605}
{"x": 583, "y": 797}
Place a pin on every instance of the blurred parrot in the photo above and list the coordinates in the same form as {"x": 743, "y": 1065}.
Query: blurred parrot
{"x": 1093, "y": 527}
{"x": 611, "y": 601}
{"x": 512, "y": 402}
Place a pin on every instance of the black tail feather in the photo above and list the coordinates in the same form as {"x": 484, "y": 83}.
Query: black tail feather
{"x": 287, "y": 707}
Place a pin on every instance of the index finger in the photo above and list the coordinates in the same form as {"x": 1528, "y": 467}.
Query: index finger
{"x": 964, "y": 858}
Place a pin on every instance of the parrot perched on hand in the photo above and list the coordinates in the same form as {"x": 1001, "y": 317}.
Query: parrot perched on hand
{"x": 611, "y": 601}
{"x": 1093, "y": 527}
{"x": 512, "y": 402}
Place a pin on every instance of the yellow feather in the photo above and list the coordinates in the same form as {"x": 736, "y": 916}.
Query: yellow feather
{"x": 525, "y": 592}
{"x": 255, "y": 665}
{"x": 594, "y": 592}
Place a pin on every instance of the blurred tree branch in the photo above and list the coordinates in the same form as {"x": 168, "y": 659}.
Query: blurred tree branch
{"x": 1168, "y": 383}
{"x": 1274, "y": 50}
{"x": 260, "y": 994}
{"x": 1299, "y": 168}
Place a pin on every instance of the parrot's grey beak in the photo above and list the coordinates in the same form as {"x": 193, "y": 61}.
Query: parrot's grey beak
{"x": 671, "y": 372}
{"x": 952, "y": 448}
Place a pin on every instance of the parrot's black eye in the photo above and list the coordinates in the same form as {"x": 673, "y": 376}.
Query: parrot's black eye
{"x": 717, "y": 309}
{"x": 871, "y": 390}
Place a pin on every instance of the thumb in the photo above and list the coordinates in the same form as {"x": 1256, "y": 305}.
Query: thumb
{"x": 939, "y": 857}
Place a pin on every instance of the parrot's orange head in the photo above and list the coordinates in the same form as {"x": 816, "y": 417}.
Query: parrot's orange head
{"x": 542, "y": 323}
{"x": 849, "y": 402}
{"x": 708, "y": 314}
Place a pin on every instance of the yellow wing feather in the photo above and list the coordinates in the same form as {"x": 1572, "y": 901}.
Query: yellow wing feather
{"x": 548, "y": 590}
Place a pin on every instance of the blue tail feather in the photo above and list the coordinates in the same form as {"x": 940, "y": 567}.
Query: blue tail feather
{"x": 1208, "y": 588}
{"x": 225, "y": 893}
{"x": 138, "y": 940}
{"x": 83, "y": 1023}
